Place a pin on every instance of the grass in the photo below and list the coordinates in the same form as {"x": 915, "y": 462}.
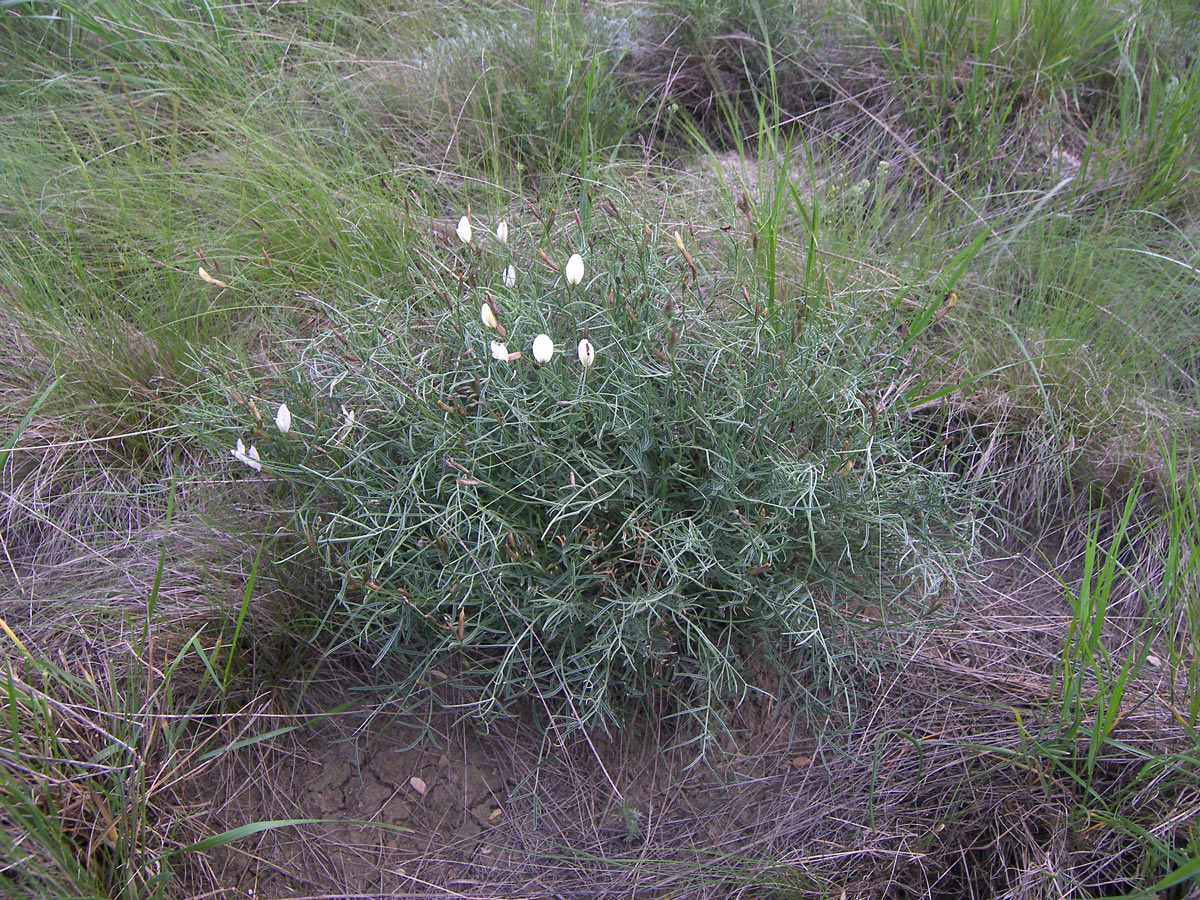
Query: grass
{"x": 881, "y": 294}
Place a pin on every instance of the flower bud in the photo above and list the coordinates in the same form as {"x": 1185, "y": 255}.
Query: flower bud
{"x": 208, "y": 279}
{"x": 574, "y": 269}
{"x": 488, "y": 317}
{"x": 283, "y": 419}
{"x": 543, "y": 348}
{"x": 464, "y": 230}
{"x": 587, "y": 353}
{"x": 502, "y": 232}
{"x": 499, "y": 352}
{"x": 510, "y": 276}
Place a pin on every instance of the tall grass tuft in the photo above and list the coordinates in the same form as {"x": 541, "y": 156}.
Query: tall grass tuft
{"x": 1115, "y": 682}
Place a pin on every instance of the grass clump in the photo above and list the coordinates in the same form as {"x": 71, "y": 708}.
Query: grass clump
{"x": 545, "y": 91}
{"x": 713, "y": 484}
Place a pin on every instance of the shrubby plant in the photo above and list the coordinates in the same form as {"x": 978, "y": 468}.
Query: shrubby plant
{"x": 692, "y": 480}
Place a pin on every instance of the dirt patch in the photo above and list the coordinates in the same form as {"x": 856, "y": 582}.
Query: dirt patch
{"x": 435, "y": 808}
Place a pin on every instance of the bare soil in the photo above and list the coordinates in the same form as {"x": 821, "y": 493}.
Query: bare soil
{"x": 442, "y": 809}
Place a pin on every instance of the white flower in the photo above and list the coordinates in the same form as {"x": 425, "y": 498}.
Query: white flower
{"x": 250, "y": 457}
{"x": 574, "y": 269}
{"x": 502, "y": 232}
{"x": 587, "y": 353}
{"x": 510, "y": 276}
{"x": 543, "y": 348}
{"x": 499, "y": 352}
{"x": 283, "y": 418}
{"x": 464, "y": 230}
{"x": 346, "y": 427}
{"x": 488, "y": 317}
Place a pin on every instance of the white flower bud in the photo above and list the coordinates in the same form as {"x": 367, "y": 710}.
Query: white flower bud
{"x": 587, "y": 353}
{"x": 574, "y": 269}
{"x": 488, "y": 317}
{"x": 464, "y": 230}
{"x": 510, "y": 276}
{"x": 499, "y": 352}
{"x": 502, "y": 232}
{"x": 208, "y": 279}
{"x": 543, "y": 348}
{"x": 283, "y": 419}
